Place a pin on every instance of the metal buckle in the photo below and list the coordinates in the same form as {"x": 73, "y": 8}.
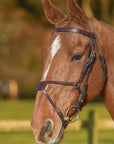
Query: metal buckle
{"x": 42, "y": 85}
{"x": 74, "y": 119}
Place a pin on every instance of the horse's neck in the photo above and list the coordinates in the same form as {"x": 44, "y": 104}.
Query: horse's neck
{"x": 105, "y": 36}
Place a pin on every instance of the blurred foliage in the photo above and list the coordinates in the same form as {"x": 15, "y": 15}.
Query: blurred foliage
{"x": 24, "y": 30}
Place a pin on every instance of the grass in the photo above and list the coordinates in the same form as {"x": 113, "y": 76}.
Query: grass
{"x": 73, "y": 137}
{"x": 106, "y": 137}
{"x": 17, "y": 137}
{"x": 22, "y": 110}
{"x": 70, "y": 137}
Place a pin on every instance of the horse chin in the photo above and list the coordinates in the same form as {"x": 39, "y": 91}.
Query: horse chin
{"x": 56, "y": 140}
{"x": 60, "y": 136}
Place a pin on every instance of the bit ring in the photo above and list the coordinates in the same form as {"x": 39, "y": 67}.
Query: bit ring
{"x": 74, "y": 120}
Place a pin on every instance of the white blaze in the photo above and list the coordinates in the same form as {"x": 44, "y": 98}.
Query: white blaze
{"x": 54, "y": 49}
{"x": 46, "y": 72}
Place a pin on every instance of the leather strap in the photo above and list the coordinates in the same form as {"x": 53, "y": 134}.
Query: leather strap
{"x": 60, "y": 114}
{"x": 100, "y": 55}
{"x": 43, "y": 84}
{"x": 75, "y": 30}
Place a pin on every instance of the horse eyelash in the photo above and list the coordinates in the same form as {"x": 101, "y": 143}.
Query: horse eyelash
{"x": 76, "y": 57}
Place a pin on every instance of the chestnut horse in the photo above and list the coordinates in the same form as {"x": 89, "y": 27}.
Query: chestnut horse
{"x": 78, "y": 65}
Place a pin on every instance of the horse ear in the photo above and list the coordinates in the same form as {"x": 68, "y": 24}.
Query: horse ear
{"x": 76, "y": 12}
{"x": 53, "y": 14}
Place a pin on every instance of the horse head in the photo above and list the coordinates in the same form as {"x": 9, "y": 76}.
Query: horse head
{"x": 63, "y": 79}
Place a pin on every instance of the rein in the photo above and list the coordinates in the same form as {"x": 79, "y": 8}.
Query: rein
{"x": 91, "y": 57}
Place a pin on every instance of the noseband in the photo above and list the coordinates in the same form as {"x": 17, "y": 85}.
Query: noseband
{"x": 91, "y": 57}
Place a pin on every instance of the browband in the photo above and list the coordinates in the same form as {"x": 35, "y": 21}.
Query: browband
{"x": 75, "y": 30}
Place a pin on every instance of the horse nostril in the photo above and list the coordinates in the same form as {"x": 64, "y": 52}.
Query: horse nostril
{"x": 49, "y": 126}
{"x": 46, "y": 130}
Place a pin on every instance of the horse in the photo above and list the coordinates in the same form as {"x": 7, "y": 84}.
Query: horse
{"x": 78, "y": 65}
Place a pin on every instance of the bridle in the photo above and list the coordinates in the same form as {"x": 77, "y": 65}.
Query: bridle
{"x": 91, "y": 57}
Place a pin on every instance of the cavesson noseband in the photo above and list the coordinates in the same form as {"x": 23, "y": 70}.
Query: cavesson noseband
{"x": 91, "y": 57}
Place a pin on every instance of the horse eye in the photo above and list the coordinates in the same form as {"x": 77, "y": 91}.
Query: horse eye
{"x": 76, "y": 57}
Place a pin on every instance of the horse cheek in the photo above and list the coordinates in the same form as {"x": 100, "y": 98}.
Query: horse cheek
{"x": 96, "y": 82}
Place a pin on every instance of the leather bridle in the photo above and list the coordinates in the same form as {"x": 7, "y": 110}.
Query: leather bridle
{"x": 91, "y": 57}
